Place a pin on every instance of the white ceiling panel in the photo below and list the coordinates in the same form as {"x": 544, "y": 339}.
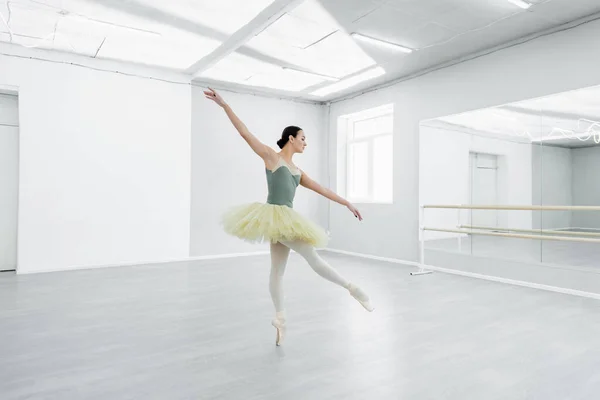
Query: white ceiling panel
{"x": 285, "y": 79}
{"x": 304, "y": 25}
{"x": 271, "y": 46}
{"x": 340, "y": 55}
{"x": 310, "y": 39}
{"x": 562, "y": 11}
{"x": 517, "y": 25}
{"x": 92, "y": 29}
{"x": 226, "y": 75}
{"x": 226, "y": 16}
{"x": 174, "y": 49}
{"x": 427, "y": 35}
{"x": 31, "y": 21}
{"x": 465, "y": 18}
{"x": 315, "y": 12}
{"x": 348, "y": 11}
{"x": 237, "y": 68}
{"x": 336, "y": 56}
{"x": 424, "y": 10}
{"x": 296, "y": 31}
{"x": 388, "y": 23}
{"x": 45, "y": 27}
{"x": 91, "y": 10}
{"x": 352, "y": 81}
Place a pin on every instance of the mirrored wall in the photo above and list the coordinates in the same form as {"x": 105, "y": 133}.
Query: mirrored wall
{"x": 524, "y": 176}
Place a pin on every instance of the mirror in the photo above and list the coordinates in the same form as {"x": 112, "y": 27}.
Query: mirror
{"x": 521, "y": 171}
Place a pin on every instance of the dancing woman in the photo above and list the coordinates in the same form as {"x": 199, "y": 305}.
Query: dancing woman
{"x": 277, "y": 222}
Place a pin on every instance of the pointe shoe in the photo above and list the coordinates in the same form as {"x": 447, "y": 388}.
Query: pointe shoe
{"x": 279, "y": 324}
{"x": 361, "y": 297}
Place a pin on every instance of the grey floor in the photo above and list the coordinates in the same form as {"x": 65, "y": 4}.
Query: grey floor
{"x": 202, "y": 331}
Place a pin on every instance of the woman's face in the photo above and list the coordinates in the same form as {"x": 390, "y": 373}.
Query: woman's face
{"x": 299, "y": 142}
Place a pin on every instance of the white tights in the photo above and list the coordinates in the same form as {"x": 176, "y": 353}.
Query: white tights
{"x": 279, "y": 256}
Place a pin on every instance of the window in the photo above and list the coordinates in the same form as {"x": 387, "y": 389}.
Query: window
{"x": 367, "y": 139}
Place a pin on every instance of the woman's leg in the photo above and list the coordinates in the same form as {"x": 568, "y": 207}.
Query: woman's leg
{"x": 315, "y": 261}
{"x": 279, "y": 257}
{"x": 322, "y": 268}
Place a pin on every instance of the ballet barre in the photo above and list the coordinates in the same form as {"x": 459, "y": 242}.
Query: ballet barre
{"x": 547, "y": 231}
{"x": 540, "y": 234}
{"x": 514, "y": 235}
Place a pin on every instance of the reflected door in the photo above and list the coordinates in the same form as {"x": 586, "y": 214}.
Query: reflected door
{"x": 484, "y": 188}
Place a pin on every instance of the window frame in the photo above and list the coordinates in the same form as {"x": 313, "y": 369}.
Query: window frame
{"x": 370, "y": 140}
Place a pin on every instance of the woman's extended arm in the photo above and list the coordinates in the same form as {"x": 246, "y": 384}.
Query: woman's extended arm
{"x": 308, "y": 183}
{"x": 263, "y": 151}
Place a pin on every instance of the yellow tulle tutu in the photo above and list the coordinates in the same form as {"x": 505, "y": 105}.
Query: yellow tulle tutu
{"x": 260, "y": 222}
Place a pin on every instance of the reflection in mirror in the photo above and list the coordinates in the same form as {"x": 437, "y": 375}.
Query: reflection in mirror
{"x": 521, "y": 173}
{"x": 479, "y": 158}
{"x": 570, "y": 153}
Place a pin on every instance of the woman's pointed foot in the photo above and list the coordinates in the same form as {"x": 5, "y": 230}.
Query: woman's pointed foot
{"x": 361, "y": 297}
{"x": 279, "y": 324}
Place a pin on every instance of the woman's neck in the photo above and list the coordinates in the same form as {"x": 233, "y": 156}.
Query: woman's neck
{"x": 287, "y": 154}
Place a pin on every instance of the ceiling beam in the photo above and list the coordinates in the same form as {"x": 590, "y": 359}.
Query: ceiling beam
{"x": 265, "y": 18}
{"x": 150, "y": 13}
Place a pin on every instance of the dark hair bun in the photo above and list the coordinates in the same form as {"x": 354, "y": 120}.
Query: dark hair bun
{"x": 285, "y": 135}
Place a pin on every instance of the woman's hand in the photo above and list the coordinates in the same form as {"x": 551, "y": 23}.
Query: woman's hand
{"x": 354, "y": 211}
{"x": 214, "y": 96}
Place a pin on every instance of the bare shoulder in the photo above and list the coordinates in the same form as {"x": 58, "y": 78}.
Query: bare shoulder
{"x": 305, "y": 180}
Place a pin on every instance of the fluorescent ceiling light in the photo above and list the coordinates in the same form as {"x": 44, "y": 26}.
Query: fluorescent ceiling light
{"x": 382, "y": 43}
{"x": 346, "y": 83}
{"x": 523, "y": 4}
{"x": 314, "y": 75}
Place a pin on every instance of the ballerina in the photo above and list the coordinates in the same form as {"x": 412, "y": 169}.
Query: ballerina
{"x": 277, "y": 222}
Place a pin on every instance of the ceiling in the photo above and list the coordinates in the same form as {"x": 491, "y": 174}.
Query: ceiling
{"x": 570, "y": 119}
{"x": 295, "y": 48}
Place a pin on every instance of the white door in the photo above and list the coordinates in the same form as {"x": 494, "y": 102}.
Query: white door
{"x": 9, "y": 181}
{"x": 484, "y": 188}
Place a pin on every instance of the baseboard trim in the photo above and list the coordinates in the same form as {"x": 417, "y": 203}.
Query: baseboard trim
{"x": 530, "y": 285}
{"x": 372, "y": 257}
{"x": 229, "y": 255}
{"x": 143, "y": 263}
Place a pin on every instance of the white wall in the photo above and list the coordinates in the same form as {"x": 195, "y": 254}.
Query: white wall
{"x": 444, "y": 176}
{"x": 498, "y": 78}
{"x": 586, "y": 186}
{"x": 104, "y": 164}
{"x": 226, "y": 172}
{"x": 552, "y": 172}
